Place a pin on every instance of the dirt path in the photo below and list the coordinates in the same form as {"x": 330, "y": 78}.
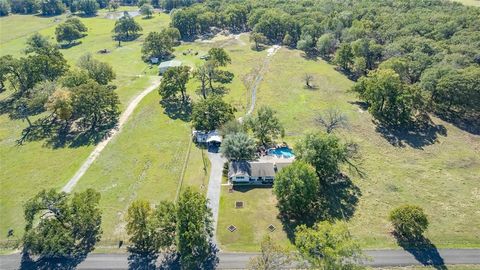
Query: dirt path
{"x": 259, "y": 77}
{"x": 99, "y": 148}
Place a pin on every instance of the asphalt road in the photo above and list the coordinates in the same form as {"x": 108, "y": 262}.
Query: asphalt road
{"x": 378, "y": 258}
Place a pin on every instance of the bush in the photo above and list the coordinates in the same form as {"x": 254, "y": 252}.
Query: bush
{"x": 409, "y": 221}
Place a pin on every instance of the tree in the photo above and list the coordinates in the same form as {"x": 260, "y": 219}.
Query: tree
{"x": 139, "y": 227}
{"x": 326, "y": 44}
{"x": 308, "y": 78}
{"x": 272, "y": 256}
{"x": 74, "y": 77}
{"x": 265, "y": 125}
{"x": 36, "y": 43}
{"x": 174, "y": 81}
{"x": 258, "y": 39}
{"x": 307, "y": 44}
{"x": 344, "y": 56}
{"x": 43, "y": 62}
{"x": 238, "y": 147}
{"x": 71, "y": 30}
{"x": 88, "y": 7}
{"x": 68, "y": 225}
{"x": 4, "y": 8}
{"x": 328, "y": 246}
{"x": 389, "y": 99}
{"x": 232, "y": 127}
{"x": 409, "y": 221}
{"x": 287, "y": 40}
{"x": 158, "y": 44}
{"x": 95, "y": 105}
{"x": 195, "y": 231}
{"x": 325, "y": 153}
{"x": 146, "y": 10}
{"x": 219, "y": 56}
{"x": 100, "y": 72}
{"x": 25, "y": 6}
{"x": 296, "y": 188}
{"x": 360, "y": 66}
{"x": 211, "y": 113}
{"x": 202, "y": 74}
{"x": 113, "y": 4}
{"x": 126, "y": 28}
{"x": 332, "y": 119}
{"x": 52, "y": 7}
{"x": 60, "y": 104}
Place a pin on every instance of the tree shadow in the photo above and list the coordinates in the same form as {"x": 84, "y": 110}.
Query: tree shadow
{"x": 423, "y": 250}
{"x": 309, "y": 56}
{"x": 60, "y": 134}
{"x": 338, "y": 200}
{"x": 70, "y": 45}
{"x": 44, "y": 263}
{"x": 138, "y": 261}
{"x": 6, "y": 105}
{"x": 466, "y": 122}
{"x": 176, "y": 109}
{"x": 417, "y": 135}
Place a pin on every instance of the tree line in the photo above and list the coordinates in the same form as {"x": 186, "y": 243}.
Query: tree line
{"x": 61, "y": 229}
{"x": 429, "y": 49}
{"x": 87, "y": 7}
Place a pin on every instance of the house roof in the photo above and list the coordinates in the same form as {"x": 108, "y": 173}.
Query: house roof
{"x": 280, "y": 165}
{"x": 252, "y": 169}
{"x": 171, "y": 63}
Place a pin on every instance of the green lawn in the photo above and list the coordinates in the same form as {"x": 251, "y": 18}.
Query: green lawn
{"x": 442, "y": 177}
{"x": 27, "y": 169}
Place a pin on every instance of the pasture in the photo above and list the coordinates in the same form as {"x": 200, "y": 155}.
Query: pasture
{"x": 438, "y": 172}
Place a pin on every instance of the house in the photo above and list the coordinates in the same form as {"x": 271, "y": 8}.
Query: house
{"x": 261, "y": 172}
{"x": 168, "y": 64}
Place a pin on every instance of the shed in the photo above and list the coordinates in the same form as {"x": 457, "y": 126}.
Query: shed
{"x": 168, "y": 64}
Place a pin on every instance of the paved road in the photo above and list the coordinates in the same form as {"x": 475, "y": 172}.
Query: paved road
{"x": 99, "y": 148}
{"x": 380, "y": 258}
{"x": 214, "y": 186}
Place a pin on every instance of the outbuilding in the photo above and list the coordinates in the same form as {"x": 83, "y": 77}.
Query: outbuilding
{"x": 168, "y": 64}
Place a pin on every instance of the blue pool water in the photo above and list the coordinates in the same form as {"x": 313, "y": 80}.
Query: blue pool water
{"x": 282, "y": 151}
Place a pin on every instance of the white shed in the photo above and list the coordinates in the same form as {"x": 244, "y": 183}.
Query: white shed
{"x": 168, "y": 64}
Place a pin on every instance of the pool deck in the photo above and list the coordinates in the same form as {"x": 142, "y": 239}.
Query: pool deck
{"x": 275, "y": 159}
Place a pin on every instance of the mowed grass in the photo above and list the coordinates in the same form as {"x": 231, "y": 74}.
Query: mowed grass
{"x": 442, "y": 177}
{"x": 146, "y": 160}
{"x": 29, "y": 168}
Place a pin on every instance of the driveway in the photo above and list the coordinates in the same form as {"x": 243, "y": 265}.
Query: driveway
{"x": 214, "y": 185}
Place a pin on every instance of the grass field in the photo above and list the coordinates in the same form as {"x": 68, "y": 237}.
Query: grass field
{"x": 441, "y": 177}
{"x": 27, "y": 169}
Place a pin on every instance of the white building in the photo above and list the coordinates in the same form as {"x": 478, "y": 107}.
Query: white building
{"x": 168, "y": 64}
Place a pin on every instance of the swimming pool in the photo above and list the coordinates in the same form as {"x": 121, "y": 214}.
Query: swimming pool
{"x": 282, "y": 151}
